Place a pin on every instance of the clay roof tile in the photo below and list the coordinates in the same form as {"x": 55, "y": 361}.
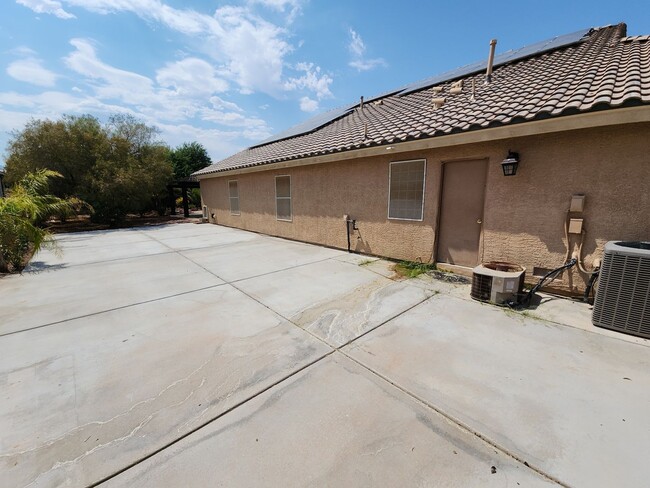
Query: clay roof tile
{"x": 604, "y": 69}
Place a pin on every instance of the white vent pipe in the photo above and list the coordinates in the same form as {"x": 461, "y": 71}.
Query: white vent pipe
{"x": 488, "y": 73}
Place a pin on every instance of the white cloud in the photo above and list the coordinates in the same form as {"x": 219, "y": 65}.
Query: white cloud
{"x": 10, "y": 120}
{"x": 293, "y": 7}
{"x": 367, "y": 64}
{"x": 308, "y": 105}
{"x": 191, "y": 76}
{"x": 357, "y": 49}
{"x": 117, "y": 84}
{"x": 239, "y": 51}
{"x": 186, "y": 21}
{"x": 312, "y": 80}
{"x": 31, "y": 71}
{"x": 220, "y": 103}
{"x": 55, "y": 103}
{"x": 251, "y": 51}
{"x": 254, "y": 50}
{"x": 23, "y": 51}
{"x": 53, "y": 7}
{"x": 218, "y": 143}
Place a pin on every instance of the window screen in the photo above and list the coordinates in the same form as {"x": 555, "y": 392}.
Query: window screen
{"x": 283, "y": 197}
{"x": 233, "y": 189}
{"x": 406, "y": 192}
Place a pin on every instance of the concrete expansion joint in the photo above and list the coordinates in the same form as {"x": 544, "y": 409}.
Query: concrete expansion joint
{"x": 126, "y": 258}
{"x": 339, "y": 349}
{"x": 100, "y": 312}
{"x": 209, "y": 421}
{"x": 459, "y": 423}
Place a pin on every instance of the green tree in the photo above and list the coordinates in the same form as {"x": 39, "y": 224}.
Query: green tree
{"x": 188, "y": 158}
{"x": 120, "y": 167}
{"x": 26, "y": 206}
{"x": 133, "y": 173}
{"x": 70, "y": 146}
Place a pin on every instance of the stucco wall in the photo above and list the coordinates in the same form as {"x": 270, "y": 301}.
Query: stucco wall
{"x": 524, "y": 215}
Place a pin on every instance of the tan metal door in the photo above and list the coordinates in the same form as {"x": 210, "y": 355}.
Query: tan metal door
{"x": 461, "y": 217}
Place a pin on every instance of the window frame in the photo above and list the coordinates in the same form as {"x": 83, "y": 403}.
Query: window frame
{"x": 290, "y": 198}
{"x": 424, "y": 185}
{"x": 230, "y": 198}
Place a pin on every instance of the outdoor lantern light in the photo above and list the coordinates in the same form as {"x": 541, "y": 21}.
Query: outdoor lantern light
{"x": 510, "y": 164}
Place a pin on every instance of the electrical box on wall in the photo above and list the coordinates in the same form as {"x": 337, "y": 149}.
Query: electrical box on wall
{"x": 575, "y": 226}
{"x": 577, "y": 203}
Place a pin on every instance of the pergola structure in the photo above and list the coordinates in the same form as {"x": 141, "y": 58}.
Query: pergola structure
{"x": 183, "y": 184}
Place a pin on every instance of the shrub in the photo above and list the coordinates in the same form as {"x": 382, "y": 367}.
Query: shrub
{"x": 22, "y": 213}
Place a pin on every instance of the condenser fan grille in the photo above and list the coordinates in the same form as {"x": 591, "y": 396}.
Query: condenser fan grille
{"x": 481, "y": 287}
{"x": 623, "y": 298}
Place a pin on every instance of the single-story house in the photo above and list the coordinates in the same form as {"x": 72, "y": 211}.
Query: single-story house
{"x": 529, "y": 157}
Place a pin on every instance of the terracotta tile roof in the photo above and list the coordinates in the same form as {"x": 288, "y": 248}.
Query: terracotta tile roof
{"x": 606, "y": 70}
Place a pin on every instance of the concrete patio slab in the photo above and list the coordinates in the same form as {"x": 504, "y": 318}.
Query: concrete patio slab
{"x": 150, "y": 370}
{"x": 187, "y": 230}
{"x": 358, "y": 259}
{"x": 342, "y": 318}
{"x": 84, "y": 399}
{"x": 334, "y": 300}
{"x": 59, "y": 293}
{"x": 332, "y": 424}
{"x": 179, "y": 242}
{"x": 571, "y": 403}
{"x": 258, "y": 257}
{"x": 80, "y": 240}
{"x": 90, "y": 250}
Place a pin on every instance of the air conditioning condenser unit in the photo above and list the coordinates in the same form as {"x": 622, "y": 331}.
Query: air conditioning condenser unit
{"x": 497, "y": 282}
{"x": 623, "y": 297}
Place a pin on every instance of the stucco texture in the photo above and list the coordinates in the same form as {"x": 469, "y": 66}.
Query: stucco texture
{"x": 523, "y": 218}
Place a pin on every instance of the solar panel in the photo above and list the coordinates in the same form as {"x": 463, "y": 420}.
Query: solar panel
{"x": 309, "y": 125}
{"x": 500, "y": 59}
{"x": 325, "y": 118}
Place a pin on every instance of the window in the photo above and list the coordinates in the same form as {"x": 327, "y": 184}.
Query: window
{"x": 283, "y": 198}
{"x": 406, "y": 190}
{"x": 233, "y": 189}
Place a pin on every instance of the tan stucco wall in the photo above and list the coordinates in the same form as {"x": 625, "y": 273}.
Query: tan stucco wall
{"x": 524, "y": 215}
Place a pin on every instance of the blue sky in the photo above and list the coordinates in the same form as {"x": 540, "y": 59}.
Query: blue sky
{"x": 231, "y": 73}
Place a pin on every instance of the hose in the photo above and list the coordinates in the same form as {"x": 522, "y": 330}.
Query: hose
{"x": 592, "y": 280}
{"x": 550, "y": 276}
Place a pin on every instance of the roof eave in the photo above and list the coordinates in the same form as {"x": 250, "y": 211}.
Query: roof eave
{"x": 599, "y": 118}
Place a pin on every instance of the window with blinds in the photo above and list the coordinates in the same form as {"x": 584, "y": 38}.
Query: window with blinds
{"x": 406, "y": 190}
{"x": 283, "y": 198}
{"x": 233, "y": 189}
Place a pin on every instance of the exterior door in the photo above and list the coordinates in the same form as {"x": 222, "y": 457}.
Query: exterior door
{"x": 461, "y": 212}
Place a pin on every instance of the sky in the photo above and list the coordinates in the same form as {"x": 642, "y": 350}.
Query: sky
{"x": 231, "y": 73}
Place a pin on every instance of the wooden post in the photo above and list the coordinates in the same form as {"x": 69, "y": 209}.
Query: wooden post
{"x": 186, "y": 203}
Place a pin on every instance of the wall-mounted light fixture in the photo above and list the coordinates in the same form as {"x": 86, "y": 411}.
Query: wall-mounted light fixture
{"x": 509, "y": 165}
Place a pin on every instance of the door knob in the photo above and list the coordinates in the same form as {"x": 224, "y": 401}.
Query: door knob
{"x": 479, "y": 221}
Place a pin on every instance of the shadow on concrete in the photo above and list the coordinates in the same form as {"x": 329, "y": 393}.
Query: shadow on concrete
{"x": 36, "y": 267}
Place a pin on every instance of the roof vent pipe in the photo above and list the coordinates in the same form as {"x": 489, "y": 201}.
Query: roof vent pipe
{"x": 361, "y": 103}
{"x": 488, "y": 73}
